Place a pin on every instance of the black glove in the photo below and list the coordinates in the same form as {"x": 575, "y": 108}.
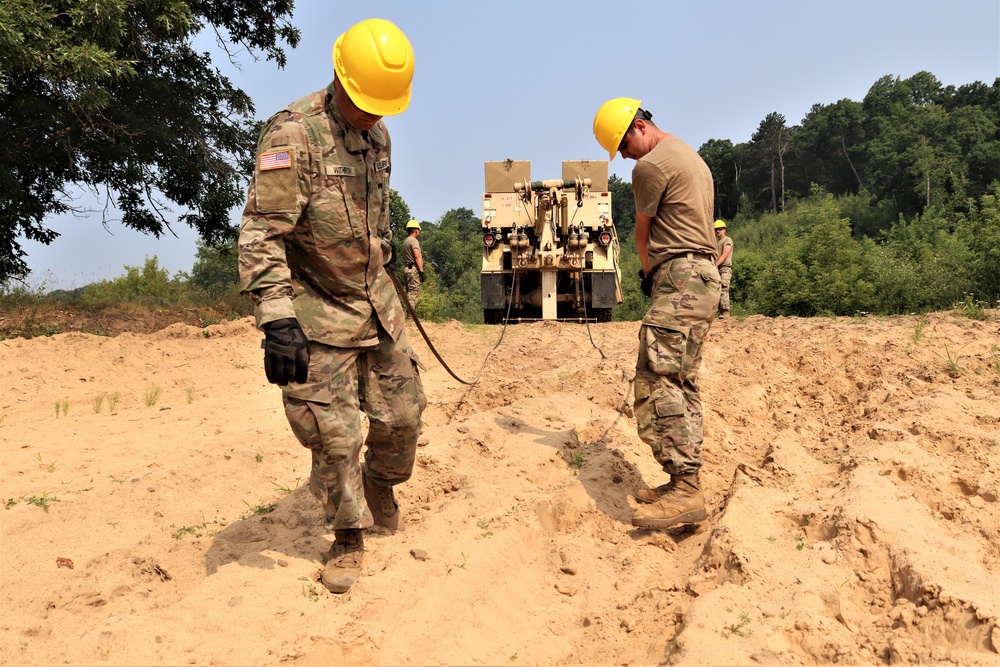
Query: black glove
{"x": 421, "y": 274}
{"x": 286, "y": 352}
{"x": 647, "y": 282}
{"x": 389, "y": 255}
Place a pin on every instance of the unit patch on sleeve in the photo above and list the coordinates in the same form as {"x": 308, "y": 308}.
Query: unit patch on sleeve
{"x": 275, "y": 160}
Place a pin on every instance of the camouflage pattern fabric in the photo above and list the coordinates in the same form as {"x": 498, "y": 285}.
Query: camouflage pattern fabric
{"x": 311, "y": 247}
{"x": 412, "y": 285}
{"x": 726, "y": 274}
{"x": 325, "y": 415}
{"x": 685, "y": 299}
{"x": 317, "y": 210}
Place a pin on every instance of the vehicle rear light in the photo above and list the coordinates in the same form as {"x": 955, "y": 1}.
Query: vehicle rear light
{"x": 604, "y": 238}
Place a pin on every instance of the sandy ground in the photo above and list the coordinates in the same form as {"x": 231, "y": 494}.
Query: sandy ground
{"x": 852, "y": 470}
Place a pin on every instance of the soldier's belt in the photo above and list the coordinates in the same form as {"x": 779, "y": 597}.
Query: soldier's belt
{"x": 688, "y": 255}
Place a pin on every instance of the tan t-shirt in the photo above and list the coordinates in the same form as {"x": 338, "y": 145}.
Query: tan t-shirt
{"x": 673, "y": 185}
{"x": 409, "y": 245}
{"x": 721, "y": 247}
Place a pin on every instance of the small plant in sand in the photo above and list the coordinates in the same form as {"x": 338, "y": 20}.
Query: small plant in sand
{"x": 450, "y": 566}
{"x": 190, "y": 394}
{"x": 993, "y": 351}
{"x": 972, "y": 308}
{"x": 484, "y": 525}
{"x": 62, "y": 407}
{"x": 577, "y": 460}
{"x": 283, "y": 490}
{"x": 120, "y": 480}
{"x": 257, "y": 510}
{"x": 42, "y": 501}
{"x": 10, "y": 502}
{"x": 113, "y": 398}
{"x": 310, "y": 592}
{"x": 196, "y": 530}
{"x": 50, "y": 465}
{"x": 152, "y": 394}
{"x": 955, "y": 368}
{"x": 182, "y": 531}
{"x": 740, "y": 628}
{"x": 259, "y": 458}
{"x": 918, "y": 329}
{"x": 98, "y": 401}
{"x": 800, "y": 541}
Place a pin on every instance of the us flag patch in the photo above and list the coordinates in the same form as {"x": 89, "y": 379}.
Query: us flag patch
{"x": 275, "y": 160}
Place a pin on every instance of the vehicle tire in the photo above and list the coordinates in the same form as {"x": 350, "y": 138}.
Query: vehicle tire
{"x": 602, "y": 314}
{"x": 492, "y": 315}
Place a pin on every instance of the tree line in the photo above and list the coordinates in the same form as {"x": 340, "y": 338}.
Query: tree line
{"x": 885, "y": 205}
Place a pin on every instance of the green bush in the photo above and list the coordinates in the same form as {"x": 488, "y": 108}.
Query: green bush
{"x": 895, "y": 280}
{"x": 149, "y": 285}
{"x": 819, "y": 269}
{"x": 940, "y": 258}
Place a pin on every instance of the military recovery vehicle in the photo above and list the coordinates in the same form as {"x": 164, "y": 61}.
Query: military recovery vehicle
{"x": 550, "y": 250}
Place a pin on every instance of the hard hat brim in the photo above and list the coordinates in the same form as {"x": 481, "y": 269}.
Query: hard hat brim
{"x": 379, "y": 107}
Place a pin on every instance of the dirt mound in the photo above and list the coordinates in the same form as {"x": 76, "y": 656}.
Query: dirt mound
{"x": 851, "y": 468}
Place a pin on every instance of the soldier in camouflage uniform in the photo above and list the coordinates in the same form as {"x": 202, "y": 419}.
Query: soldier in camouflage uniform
{"x": 724, "y": 260}
{"x": 674, "y": 206}
{"x": 314, "y": 239}
{"x": 413, "y": 262}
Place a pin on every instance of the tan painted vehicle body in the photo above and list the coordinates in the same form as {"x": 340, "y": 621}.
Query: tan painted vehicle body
{"x": 550, "y": 249}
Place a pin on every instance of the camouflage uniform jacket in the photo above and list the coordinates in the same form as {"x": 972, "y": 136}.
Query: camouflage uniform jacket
{"x": 317, "y": 212}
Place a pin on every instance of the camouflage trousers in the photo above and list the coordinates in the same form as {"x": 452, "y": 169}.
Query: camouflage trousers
{"x": 412, "y": 285}
{"x": 668, "y": 414}
{"x": 325, "y": 415}
{"x": 726, "y": 274}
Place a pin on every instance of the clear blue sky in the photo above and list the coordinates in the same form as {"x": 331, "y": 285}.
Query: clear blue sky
{"x": 522, "y": 80}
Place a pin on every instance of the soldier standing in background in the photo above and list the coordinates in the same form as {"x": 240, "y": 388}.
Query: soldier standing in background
{"x": 413, "y": 262}
{"x": 674, "y": 207}
{"x": 724, "y": 249}
{"x": 314, "y": 238}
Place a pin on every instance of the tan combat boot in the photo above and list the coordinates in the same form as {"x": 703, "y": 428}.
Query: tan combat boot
{"x": 652, "y": 495}
{"x": 343, "y": 565}
{"x": 683, "y": 503}
{"x": 382, "y": 504}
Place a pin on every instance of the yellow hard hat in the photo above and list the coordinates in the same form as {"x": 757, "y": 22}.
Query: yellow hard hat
{"x": 720, "y": 224}
{"x": 413, "y": 224}
{"x": 374, "y": 62}
{"x": 612, "y": 122}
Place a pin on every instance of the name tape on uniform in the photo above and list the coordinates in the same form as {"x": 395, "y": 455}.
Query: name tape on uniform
{"x": 275, "y": 160}
{"x": 380, "y": 165}
{"x": 339, "y": 170}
